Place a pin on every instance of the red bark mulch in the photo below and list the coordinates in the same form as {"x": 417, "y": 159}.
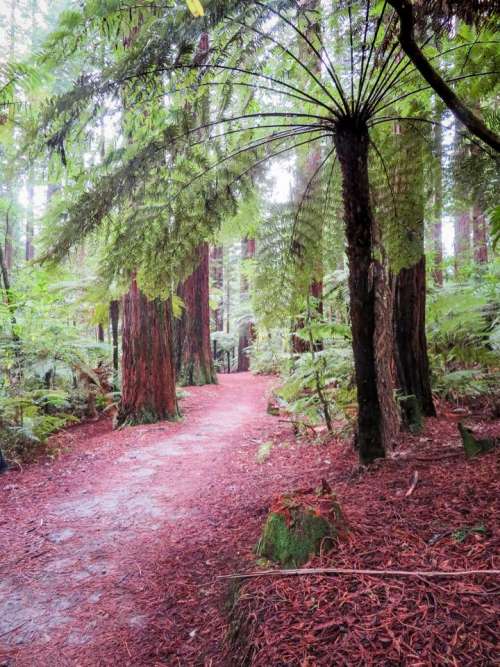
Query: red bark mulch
{"x": 449, "y": 522}
{"x": 110, "y": 554}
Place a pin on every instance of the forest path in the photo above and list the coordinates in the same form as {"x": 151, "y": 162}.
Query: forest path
{"x": 110, "y": 554}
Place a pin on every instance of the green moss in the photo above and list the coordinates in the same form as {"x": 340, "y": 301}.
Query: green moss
{"x": 473, "y": 446}
{"x": 412, "y": 413}
{"x": 293, "y": 542}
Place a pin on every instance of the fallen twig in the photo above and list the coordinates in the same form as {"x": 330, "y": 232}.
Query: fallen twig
{"x": 375, "y": 573}
{"x": 413, "y": 484}
{"x": 296, "y": 422}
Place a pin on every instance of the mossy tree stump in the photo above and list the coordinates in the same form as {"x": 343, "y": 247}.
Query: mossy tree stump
{"x": 474, "y": 446}
{"x": 300, "y": 525}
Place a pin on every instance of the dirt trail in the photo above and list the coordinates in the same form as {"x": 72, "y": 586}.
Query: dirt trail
{"x": 109, "y": 554}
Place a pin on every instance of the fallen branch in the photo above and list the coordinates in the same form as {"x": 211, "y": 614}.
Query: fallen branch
{"x": 375, "y": 573}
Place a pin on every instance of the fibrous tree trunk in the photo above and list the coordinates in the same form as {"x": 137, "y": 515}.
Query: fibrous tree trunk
{"x": 193, "y": 350}
{"x": 148, "y": 374}
{"x": 462, "y": 240}
{"x": 217, "y": 277}
{"x": 377, "y": 420}
{"x": 246, "y": 329}
{"x": 437, "y": 228}
{"x": 410, "y": 348}
{"x": 114, "y": 316}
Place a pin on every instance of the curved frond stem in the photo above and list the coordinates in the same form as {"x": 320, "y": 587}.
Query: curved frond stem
{"x": 262, "y": 114}
{"x": 382, "y": 74}
{"x": 363, "y": 50}
{"x": 275, "y": 154}
{"x": 244, "y": 84}
{"x": 241, "y": 70}
{"x": 365, "y": 77}
{"x": 328, "y": 65}
{"x": 411, "y": 119}
{"x": 351, "y": 49}
{"x": 249, "y": 147}
{"x": 306, "y": 191}
{"x": 402, "y": 79}
{"x": 309, "y": 72}
{"x": 422, "y": 88}
{"x": 394, "y": 74}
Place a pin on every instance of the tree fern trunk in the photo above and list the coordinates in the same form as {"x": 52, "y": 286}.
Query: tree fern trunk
{"x": 376, "y": 409}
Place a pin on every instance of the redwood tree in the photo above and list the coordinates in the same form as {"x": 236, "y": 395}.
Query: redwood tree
{"x": 148, "y": 374}
{"x": 193, "y": 350}
{"x": 246, "y": 330}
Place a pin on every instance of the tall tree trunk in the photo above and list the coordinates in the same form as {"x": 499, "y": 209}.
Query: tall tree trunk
{"x": 114, "y": 316}
{"x": 194, "y": 355}
{"x": 148, "y": 374}
{"x": 246, "y": 330}
{"x": 412, "y": 362}
{"x": 100, "y": 333}
{"x": 462, "y": 240}
{"x": 377, "y": 423}
{"x": 217, "y": 271}
{"x": 29, "y": 250}
{"x": 437, "y": 228}
{"x": 479, "y": 235}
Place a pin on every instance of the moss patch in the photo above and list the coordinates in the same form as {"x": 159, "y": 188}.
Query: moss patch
{"x": 300, "y": 526}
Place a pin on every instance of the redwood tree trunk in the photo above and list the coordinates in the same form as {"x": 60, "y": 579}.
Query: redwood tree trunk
{"x": 374, "y": 388}
{"x": 148, "y": 375}
{"x": 412, "y": 362}
{"x": 479, "y": 235}
{"x": 114, "y": 315}
{"x": 437, "y": 228}
{"x": 246, "y": 332}
{"x": 217, "y": 269}
{"x": 193, "y": 351}
{"x": 462, "y": 241}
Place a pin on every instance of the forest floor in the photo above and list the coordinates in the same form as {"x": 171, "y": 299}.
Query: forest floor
{"x": 110, "y": 553}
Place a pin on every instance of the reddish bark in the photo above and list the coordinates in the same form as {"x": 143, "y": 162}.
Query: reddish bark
{"x": 194, "y": 361}
{"x": 246, "y": 331}
{"x": 410, "y": 347}
{"x": 114, "y": 315}
{"x": 462, "y": 240}
{"x": 437, "y": 229}
{"x": 479, "y": 235}
{"x": 148, "y": 374}
{"x": 217, "y": 271}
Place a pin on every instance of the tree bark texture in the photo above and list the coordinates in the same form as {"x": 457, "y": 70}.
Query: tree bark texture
{"x": 437, "y": 228}
{"x": 193, "y": 350}
{"x": 376, "y": 407}
{"x": 217, "y": 272}
{"x": 114, "y": 316}
{"x": 410, "y": 349}
{"x": 246, "y": 329}
{"x": 462, "y": 240}
{"x": 479, "y": 235}
{"x": 148, "y": 374}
